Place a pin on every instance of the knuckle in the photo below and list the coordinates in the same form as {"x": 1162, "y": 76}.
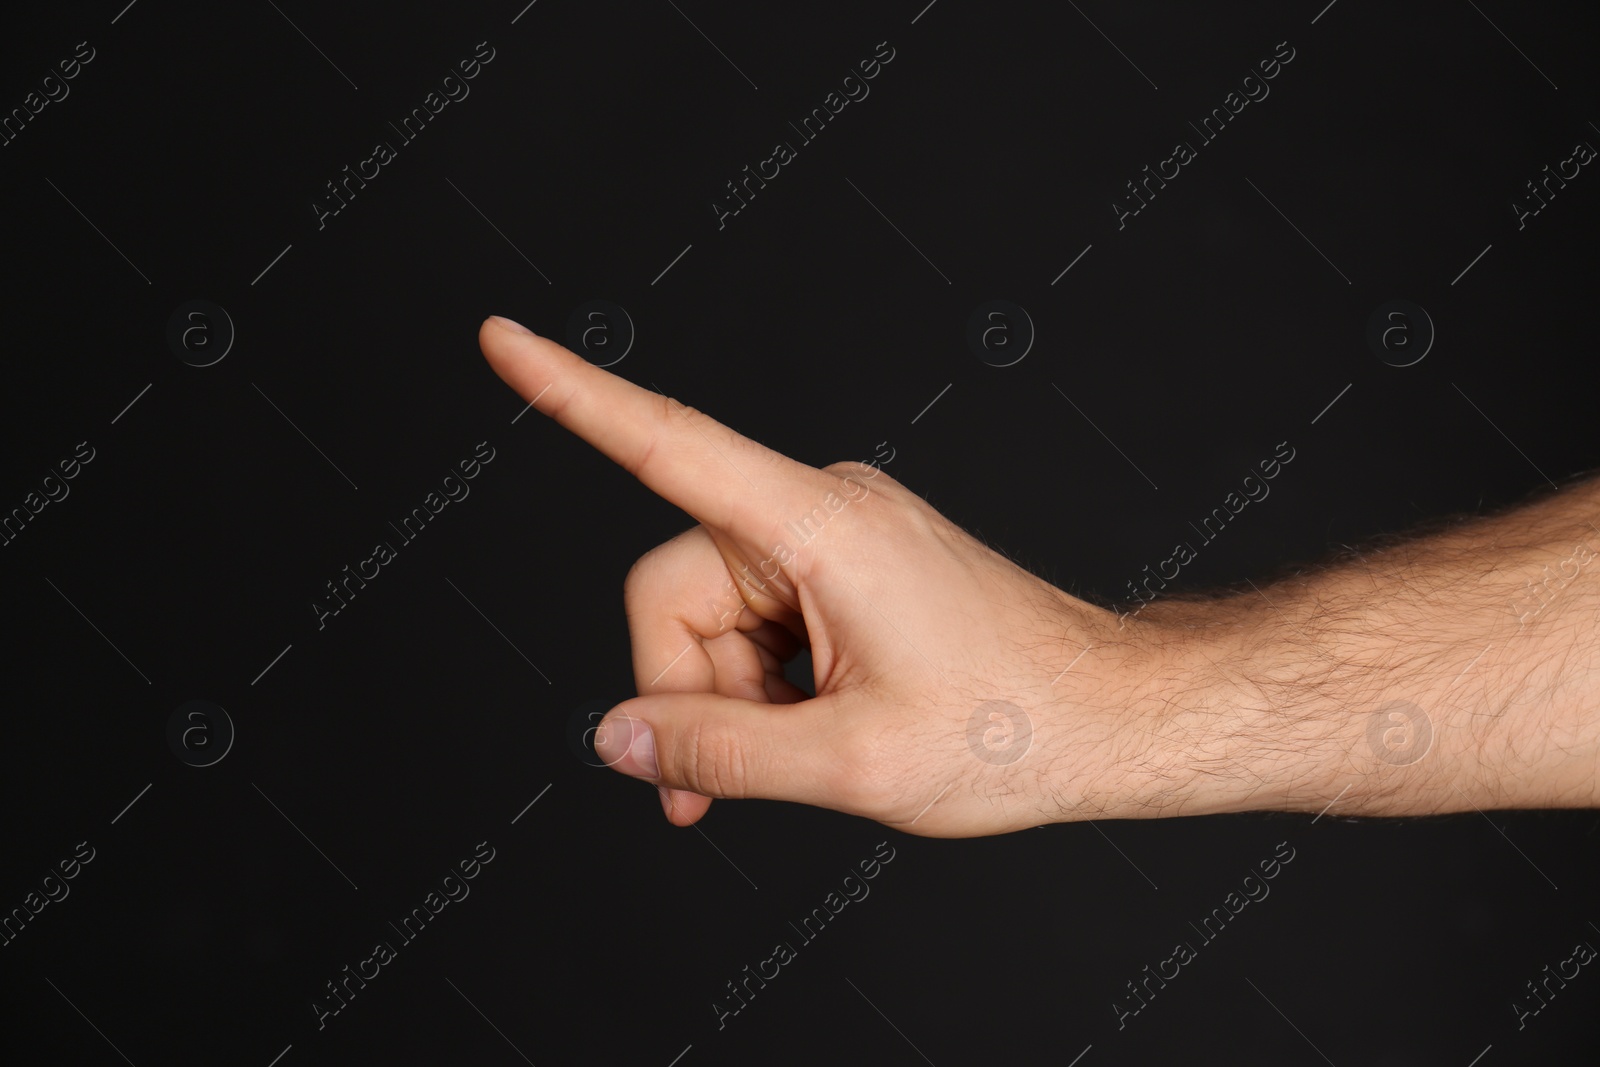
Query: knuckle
{"x": 635, "y": 465}
{"x": 662, "y": 569}
{"x": 714, "y": 762}
{"x": 854, "y": 469}
{"x": 637, "y": 580}
{"x": 673, "y": 409}
{"x": 672, "y": 405}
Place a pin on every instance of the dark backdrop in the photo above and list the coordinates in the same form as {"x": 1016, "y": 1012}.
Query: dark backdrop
{"x": 373, "y": 754}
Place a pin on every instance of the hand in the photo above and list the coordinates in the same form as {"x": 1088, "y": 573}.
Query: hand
{"x": 954, "y": 697}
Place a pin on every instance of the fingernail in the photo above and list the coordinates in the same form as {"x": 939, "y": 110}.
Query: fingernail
{"x": 666, "y": 799}
{"x": 515, "y": 327}
{"x": 626, "y": 744}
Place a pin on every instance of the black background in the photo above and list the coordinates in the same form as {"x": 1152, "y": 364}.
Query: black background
{"x": 408, "y": 729}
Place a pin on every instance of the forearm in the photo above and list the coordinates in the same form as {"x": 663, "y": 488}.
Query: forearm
{"x": 1453, "y": 671}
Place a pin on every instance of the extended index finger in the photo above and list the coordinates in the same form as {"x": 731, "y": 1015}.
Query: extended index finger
{"x": 711, "y": 471}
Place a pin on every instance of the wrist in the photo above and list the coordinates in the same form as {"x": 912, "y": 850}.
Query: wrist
{"x": 1162, "y": 717}
{"x": 1234, "y": 714}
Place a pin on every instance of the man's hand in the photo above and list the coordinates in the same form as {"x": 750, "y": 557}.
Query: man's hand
{"x": 944, "y": 704}
{"x": 959, "y": 695}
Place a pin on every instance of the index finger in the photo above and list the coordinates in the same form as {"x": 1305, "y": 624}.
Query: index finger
{"x": 714, "y": 473}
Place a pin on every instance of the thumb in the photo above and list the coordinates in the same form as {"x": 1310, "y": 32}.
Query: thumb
{"x": 725, "y": 747}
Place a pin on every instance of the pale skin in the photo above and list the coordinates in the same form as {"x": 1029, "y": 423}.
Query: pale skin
{"x": 958, "y": 695}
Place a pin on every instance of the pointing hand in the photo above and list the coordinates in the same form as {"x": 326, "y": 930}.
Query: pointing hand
{"x": 943, "y": 703}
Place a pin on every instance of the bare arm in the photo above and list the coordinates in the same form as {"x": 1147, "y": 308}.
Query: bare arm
{"x": 958, "y": 694}
{"x": 1451, "y": 671}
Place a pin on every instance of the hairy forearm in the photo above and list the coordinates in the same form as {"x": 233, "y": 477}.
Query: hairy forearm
{"x": 1455, "y": 670}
